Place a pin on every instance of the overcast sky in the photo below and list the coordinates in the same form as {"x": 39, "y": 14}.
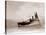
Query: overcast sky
{"x": 23, "y": 10}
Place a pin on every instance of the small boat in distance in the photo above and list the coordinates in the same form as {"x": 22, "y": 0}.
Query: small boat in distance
{"x": 30, "y": 21}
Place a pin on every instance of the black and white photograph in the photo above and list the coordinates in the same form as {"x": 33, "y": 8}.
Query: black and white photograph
{"x": 24, "y": 16}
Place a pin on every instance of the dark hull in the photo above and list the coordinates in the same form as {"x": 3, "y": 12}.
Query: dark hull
{"x": 25, "y": 23}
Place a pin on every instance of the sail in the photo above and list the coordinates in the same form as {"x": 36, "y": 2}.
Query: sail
{"x": 36, "y": 16}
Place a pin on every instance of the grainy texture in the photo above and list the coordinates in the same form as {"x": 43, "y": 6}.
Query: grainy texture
{"x": 22, "y": 11}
